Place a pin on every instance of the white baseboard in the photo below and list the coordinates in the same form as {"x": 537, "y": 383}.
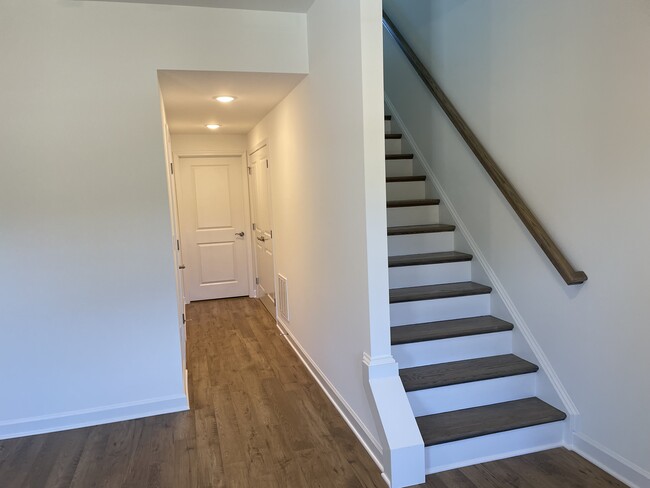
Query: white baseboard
{"x": 607, "y": 460}
{"x": 495, "y": 457}
{"x": 368, "y": 441}
{"x": 92, "y": 416}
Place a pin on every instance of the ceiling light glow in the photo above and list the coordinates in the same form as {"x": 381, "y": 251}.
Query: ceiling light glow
{"x": 213, "y": 126}
{"x": 224, "y": 99}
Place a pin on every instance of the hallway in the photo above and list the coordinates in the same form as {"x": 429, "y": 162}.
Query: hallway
{"x": 258, "y": 419}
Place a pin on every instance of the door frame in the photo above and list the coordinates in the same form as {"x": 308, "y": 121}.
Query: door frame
{"x": 247, "y": 210}
{"x": 175, "y": 241}
{"x": 264, "y": 142}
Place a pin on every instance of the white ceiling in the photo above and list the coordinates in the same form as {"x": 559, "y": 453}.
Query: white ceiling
{"x": 189, "y": 105}
{"x": 271, "y": 5}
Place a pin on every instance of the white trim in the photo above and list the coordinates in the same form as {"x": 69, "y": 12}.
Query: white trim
{"x": 357, "y": 426}
{"x": 496, "y": 457}
{"x": 403, "y": 451}
{"x": 607, "y": 460}
{"x": 93, "y": 416}
{"x": 258, "y": 146}
{"x": 497, "y": 286}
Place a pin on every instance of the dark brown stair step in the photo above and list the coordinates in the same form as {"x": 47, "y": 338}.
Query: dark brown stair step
{"x": 448, "y": 329}
{"x": 490, "y": 419}
{"x": 400, "y": 179}
{"x": 393, "y": 136}
{"x": 387, "y": 117}
{"x": 390, "y": 157}
{"x": 412, "y": 203}
{"x": 434, "y": 292}
{"x": 420, "y": 229}
{"x": 466, "y": 371}
{"x": 428, "y": 258}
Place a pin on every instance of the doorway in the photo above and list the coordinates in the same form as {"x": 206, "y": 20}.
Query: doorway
{"x": 259, "y": 179}
{"x": 213, "y": 223}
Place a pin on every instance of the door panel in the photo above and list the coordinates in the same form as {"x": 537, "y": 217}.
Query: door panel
{"x": 260, "y": 183}
{"x": 212, "y": 197}
{"x": 212, "y": 213}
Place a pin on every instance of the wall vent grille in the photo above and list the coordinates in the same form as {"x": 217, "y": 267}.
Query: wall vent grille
{"x": 283, "y": 298}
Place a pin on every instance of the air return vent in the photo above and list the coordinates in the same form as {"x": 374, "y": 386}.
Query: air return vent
{"x": 283, "y": 298}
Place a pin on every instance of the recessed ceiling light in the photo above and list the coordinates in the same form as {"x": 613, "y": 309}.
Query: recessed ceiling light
{"x": 224, "y": 99}
{"x": 213, "y": 126}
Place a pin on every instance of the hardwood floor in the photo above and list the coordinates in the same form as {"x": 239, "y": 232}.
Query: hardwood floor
{"x": 258, "y": 419}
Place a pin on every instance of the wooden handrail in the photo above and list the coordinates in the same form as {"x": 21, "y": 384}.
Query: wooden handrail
{"x": 561, "y": 263}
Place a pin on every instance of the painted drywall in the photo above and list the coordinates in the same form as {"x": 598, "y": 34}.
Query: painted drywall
{"x": 89, "y": 319}
{"x": 193, "y": 144}
{"x": 558, "y": 93}
{"x": 328, "y": 198}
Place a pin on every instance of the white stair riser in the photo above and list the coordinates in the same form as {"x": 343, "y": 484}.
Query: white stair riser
{"x": 420, "y": 243}
{"x": 393, "y": 146}
{"x": 429, "y": 274}
{"x": 473, "y": 394}
{"x": 405, "y": 190}
{"x": 422, "y": 311}
{"x": 387, "y": 126}
{"x": 423, "y": 214}
{"x": 399, "y": 167}
{"x": 467, "y": 452}
{"x": 455, "y": 349}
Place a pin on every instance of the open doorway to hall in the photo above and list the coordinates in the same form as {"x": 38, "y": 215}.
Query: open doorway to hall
{"x": 219, "y": 183}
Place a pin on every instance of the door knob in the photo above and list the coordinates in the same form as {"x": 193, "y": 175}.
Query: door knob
{"x": 240, "y": 234}
{"x": 261, "y": 239}
{"x": 182, "y": 266}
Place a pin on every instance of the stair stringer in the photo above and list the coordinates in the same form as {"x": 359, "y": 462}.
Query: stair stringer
{"x": 549, "y": 387}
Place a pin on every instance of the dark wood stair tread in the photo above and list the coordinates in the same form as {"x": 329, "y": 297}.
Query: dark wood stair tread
{"x": 420, "y": 229}
{"x": 428, "y": 258}
{"x": 434, "y": 292}
{"x": 398, "y": 156}
{"x": 489, "y": 419}
{"x": 448, "y": 329}
{"x": 393, "y": 136}
{"x": 466, "y": 371}
{"x": 400, "y": 179}
{"x": 412, "y": 203}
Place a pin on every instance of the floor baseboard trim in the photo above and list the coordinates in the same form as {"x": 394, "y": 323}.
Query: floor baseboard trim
{"x": 607, "y": 460}
{"x": 93, "y": 416}
{"x": 367, "y": 440}
{"x": 495, "y": 457}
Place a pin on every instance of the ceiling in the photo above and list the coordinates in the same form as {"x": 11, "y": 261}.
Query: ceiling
{"x": 189, "y": 105}
{"x": 270, "y": 5}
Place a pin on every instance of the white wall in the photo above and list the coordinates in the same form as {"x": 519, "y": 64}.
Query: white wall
{"x": 328, "y": 199}
{"x": 189, "y": 144}
{"x": 88, "y": 303}
{"x": 558, "y": 92}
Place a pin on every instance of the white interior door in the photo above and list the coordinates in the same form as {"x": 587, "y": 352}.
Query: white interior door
{"x": 260, "y": 184}
{"x": 212, "y": 220}
{"x": 176, "y": 239}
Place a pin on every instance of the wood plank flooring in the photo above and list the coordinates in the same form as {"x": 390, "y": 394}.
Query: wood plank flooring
{"x": 258, "y": 419}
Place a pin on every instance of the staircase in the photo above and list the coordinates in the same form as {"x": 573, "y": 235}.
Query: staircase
{"x": 472, "y": 398}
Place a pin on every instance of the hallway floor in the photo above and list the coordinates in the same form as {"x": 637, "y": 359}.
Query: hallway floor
{"x": 258, "y": 419}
